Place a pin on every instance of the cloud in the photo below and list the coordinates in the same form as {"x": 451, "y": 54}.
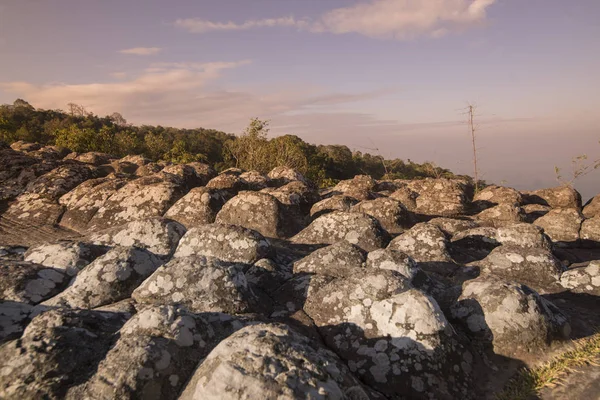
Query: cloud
{"x": 383, "y": 19}
{"x": 142, "y": 51}
{"x": 118, "y": 75}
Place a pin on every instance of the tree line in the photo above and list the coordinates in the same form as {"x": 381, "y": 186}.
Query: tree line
{"x": 82, "y": 131}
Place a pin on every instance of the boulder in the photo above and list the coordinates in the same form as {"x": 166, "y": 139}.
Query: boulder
{"x": 271, "y": 361}
{"x": 590, "y": 232}
{"x": 200, "y": 284}
{"x": 268, "y": 275}
{"x": 523, "y": 235}
{"x": 393, "y": 260}
{"x": 156, "y": 353}
{"x": 558, "y": 197}
{"x": 534, "y": 267}
{"x": 501, "y": 215}
{"x": 395, "y": 338}
{"x": 29, "y": 283}
{"x": 226, "y": 242}
{"x": 85, "y": 200}
{"x": 108, "y": 279}
{"x": 58, "y": 351}
{"x": 535, "y": 211}
{"x": 13, "y": 319}
{"x": 157, "y": 235}
{"x": 452, "y": 226}
{"x": 190, "y": 176}
{"x": 440, "y": 197}
{"x": 18, "y": 169}
{"x": 582, "y": 279}
{"x": 283, "y": 175}
{"x": 228, "y": 184}
{"x": 199, "y": 207}
{"x": 254, "y": 210}
{"x": 358, "y": 184}
{"x": 562, "y": 225}
{"x": 338, "y": 260}
{"x": 473, "y": 244}
{"x": 509, "y": 316}
{"x": 333, "y": 203}
{"x": 68, "y": 257}
{"x": 592, "y": 208}
{"x": 146, "y": 197}
{"x": 390, "y": 213}
{"x": 92, "y": 157}
{"x": 255, "y": 180}
{"x": 493, "y": 195}
{"x": 359, "y": 229}
{"x": 407, "y": 197}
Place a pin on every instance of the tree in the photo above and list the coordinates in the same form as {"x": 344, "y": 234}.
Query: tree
{"x": 472, "y": 129}
{"x": 251, "y": 150}
{"x": 118, "y": 119}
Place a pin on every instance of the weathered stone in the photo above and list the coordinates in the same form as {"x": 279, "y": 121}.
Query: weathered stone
{"x": 523, "y": 235}
{"x": 143, "y": 198}
{"x": 92, "y": 157}
{"x": 583, "y": 279}
{"x": 393, "y": 260}
{"x": 407, "y": 197}
{"x": 557, "y": 197}
{"x": 283, "y": 175}
{"x": 590, "y": 232}
{"x": 500, "y": 215}
{"x": 228, "y": 184}
{"x": 338, "y": 260}
{"x": 534, "y": 267}
{"x": 108, "y": 279}
{"x": 390, "y": 213}
{"x": 393, "y": 337}
{"x": 333, "y": 203}
{"x": 199, "y": 284}
{"x": 272, "y": 361}
{"x": 592, "y": 208}
{"x": 473, "y": 244}
{"x": 29, "y": 283}
{"x": 359, "y": 229}
{"x": 268, "y": 275}
{"x": 255, "y": 180}
{"x": 157, "y": 235}
{"x": 59, "y": 350}
{"x": 440, "y": 197}
{"x": 360, "y": 183}
{"x": 452, "y": 226}
{"x": 492, "y": 196}
{"x": 562, "y": 225}
{"x": 13, "y": 319}
{"x": 226, "y": 242}
{"x": 68, "y": 257}
{"x": 18, "y": 169}
{"x": 254, "y": 210}
{"x": 199, "y": 207}
{"x": 509, "y": 316}
{"x": 535, "y": 211}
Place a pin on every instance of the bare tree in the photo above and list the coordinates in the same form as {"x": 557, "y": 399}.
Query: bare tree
{"x": 472, "y": 129}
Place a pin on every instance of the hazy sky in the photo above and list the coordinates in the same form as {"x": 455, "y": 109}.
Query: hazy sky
{"x": 390, "y": 74}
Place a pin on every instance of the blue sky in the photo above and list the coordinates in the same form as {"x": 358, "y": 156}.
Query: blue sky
{"x": 391, "y": 74}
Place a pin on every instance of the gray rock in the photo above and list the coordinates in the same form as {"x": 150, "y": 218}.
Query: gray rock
{"x": 29, "y": 283}
{"x": 268, "y": 275}
{"x": 108, "y": 279}
{"x": 592, "y": 207}
{"x": 495, "y": 195}
{"x": 283, "y": 175}
{"x": 200, "y": 284}
{"x": 562, "y": 225}
{"x": 273, "y": 362}
{"x": 13, "y": 319}
{"x": 390, "y": 213}
{"x": 557, "y": 197}
{"x": 509, "y": 316}
{"x": 500, "y": 215}
{"x": 473, "y": 244}
{"x": 590, "y": 232}
{"x": 523, "y": 235}
{"x": 337, "y": 260}
{"x": 226, "y": 242}
{"x": 452, "y": 226}
{"x": 359, "y": 229}
{"x": 535, "y": 211}
{"x": 255, "y": 180}
{"x": 228, "y": 184}
{"x": 583, "y": 279}
{"x": 333, "y": 203}
{"x": 393, "y": 260}
{"x": 440, "y": 197}
{"x": 407, "y": 197}
{"x": 199, "y": 207}
{"x": 69, "y": 257}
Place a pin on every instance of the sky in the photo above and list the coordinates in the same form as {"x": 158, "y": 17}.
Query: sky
{"x": 391, "y": 75}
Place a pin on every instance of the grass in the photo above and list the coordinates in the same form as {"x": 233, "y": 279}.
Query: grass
{"x": 530, "y": 381}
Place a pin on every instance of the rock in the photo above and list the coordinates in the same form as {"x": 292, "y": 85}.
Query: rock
{"x": 59, "y": 350}
{"x": 583, "y": 279}
{"x": 390, "y": 213}
{"x": 534, "y": 267}
{"x": 29, "y": 283}
{"x": 12, "y": 253}
{"x": 492, "y": 196}
{"x": 189, "y": 176}
{"x": 92, "y": 157}
{"x": 333, "y": 203}
{"x": 13, "y": 319}
{"x": 440, "y": 197}
{"x": 156, "y": 353}
{"x": 338, "y": 260}
{"x": 148, "y": 169}
{"x": 395, "y": 338}
{"x": 452, "y": 226}
{"x": 226, "y": 242}
{"x": 228, "y": 184}
{"x": 68, "y": 257}
{"x": 25, "y": 147}
{"x": 407, "y": 197}
{"x": 557, "y": 197}
{"x": 255, "y": 180}
{"x": 147, "y": 197}
{"x": 254, "y": 210}
{"x": 199, "y": 284}
{"x": 393, "y": 260}
{"x": 273, "y": 362}
{"x": 590, "y": 232}
{"x": 108, "y": 279}
{"x": 359, "y": 229}
{"x": 592, "y": 207}
{"x": 523, "y": 235}
{"x": 534, "y": 211}
{"x": 85, "y": 200}
{"x": 199, "y": 207}
{"x": 284, "y": 175}
{"x": 473, "y": 244}
{"x": 562, "y": 225}
{"x": 18, "y": 169}
{"x": 358, "y": 184}
{"x": 157, "y": 235}
{"x": 291, "y": 296}
{"x": 268, "y": 275}
{"x": 501, "y": 215}
{"x": 427, "y": 245}
{"x": 509, "y": 316}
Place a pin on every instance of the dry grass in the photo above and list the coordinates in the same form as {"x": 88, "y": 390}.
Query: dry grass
{"x": 529, "y": 381}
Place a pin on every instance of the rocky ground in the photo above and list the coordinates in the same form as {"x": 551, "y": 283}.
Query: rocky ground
{"x": 128, "y": 279}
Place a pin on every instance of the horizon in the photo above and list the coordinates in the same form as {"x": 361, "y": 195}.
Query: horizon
{"x": 389, "y": 74}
